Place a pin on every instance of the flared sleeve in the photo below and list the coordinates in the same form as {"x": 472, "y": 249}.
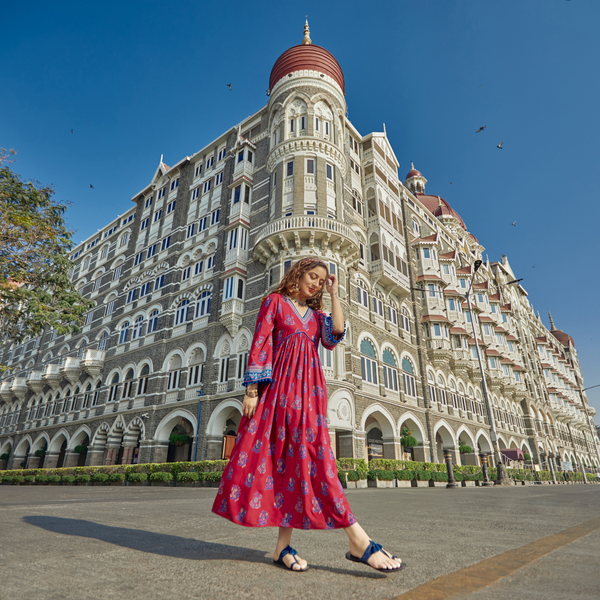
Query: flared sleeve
{"x": 329, "y": 339}
{"x": 260, "y": 359}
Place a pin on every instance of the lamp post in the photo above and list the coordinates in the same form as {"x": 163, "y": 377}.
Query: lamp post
{"x": 502, "y": 476}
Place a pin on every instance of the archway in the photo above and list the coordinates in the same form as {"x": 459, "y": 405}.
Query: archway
{"x": 381, "y": 434}
{"x": 222, "y": 429}
{"x": 444, "y": 439}
{"x": 410, "y": 427}
{"x": 180, "y": 442}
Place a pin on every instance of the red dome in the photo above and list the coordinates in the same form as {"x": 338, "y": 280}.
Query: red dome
{"x": 306, "y": 57}
{"x": 564, "y": 338}
{"x": 437, "y": 206}
{"x": 413, "y": 173}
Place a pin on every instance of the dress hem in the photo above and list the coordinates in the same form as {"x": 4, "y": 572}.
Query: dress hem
{"x": 336, "y": 526}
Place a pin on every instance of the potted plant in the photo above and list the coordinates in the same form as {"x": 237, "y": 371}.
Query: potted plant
{"x": 404, "y": 477}
{"x": 407, "y": 440}
{"x": 356, "y": 479}
{"x": 3, "y": 460}
{"x": 421, "y": 478}
{"x": 41, "y": 452}
{"x": 438, "y": 479}
{"x": 180, "y": 439}
{"x": 80, "y": 449}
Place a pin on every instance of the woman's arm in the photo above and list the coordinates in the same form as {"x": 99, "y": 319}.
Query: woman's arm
{"x": 337, "y": 314}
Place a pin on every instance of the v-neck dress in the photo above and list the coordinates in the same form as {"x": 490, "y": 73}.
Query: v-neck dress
{"x": 282, "y": 471}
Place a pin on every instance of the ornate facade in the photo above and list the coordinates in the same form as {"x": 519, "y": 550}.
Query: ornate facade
{"x": 177, "y": 280}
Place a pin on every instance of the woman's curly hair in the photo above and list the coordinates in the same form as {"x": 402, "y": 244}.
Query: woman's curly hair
{"x": 289, "y": 283}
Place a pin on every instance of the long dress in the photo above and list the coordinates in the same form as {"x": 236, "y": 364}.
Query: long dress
{"x": 282, "y": 471}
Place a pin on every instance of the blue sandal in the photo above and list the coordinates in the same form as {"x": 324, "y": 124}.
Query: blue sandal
{"x": 289, "y": 550}
{"x": 371, "y": 549}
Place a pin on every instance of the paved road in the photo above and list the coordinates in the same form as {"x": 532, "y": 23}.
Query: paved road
{"x": 134, "y": 543}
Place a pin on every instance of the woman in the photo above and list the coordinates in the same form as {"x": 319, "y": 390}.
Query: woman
{"x": 282, "y": 471}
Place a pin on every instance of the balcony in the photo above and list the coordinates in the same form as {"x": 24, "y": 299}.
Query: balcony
{"x": 236, "y": 255}
{"x": 240, "y": 210}
{"x": 6, "y": 392}
{"x": 231, "y": 315}
{"x": 52, "y": 376}
{"x": 390, "y": 277}
{"x": 19, "y": 387}
{"x": 93, "y": 361}
{"x": 35, "y": 382}
{"x": 292, "y": 234}
{"x": 71, "y": 369}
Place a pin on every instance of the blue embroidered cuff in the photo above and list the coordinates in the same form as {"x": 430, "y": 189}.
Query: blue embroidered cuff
{"x": 330, "y": 338}
{"x": 264, "y": 376}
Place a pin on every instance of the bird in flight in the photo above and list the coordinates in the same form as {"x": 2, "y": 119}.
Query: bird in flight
{"x": 91, "y": 186}
{"x": 514, "y": 223}
{"x": 481, "y": 129}
{"x": 500, "y": 145}
{"x": 229, "y": 86}
{"x": 450, "y": 183}
{"x": 71, "y": 131}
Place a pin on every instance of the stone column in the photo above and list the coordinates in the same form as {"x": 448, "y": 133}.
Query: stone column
{"x": 392, "y": 447}
{"x": 95, "y": 456}
{"x": 128, "y": 455}
{"x": 161, "y": 450}
{"x": 71, "y": 459}
{"x": 51, "y": 460}
{"x": 33, "y": 462}
{"x": 112, "y": 452}
{"x": 215, "y": 446}
{"x": 422, "y": 453}
{"x": 551, "y": 463}
{"x": 360, "y": 444}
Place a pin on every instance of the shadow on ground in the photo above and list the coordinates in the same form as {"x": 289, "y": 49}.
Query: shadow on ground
{"x": 162, "y": 543}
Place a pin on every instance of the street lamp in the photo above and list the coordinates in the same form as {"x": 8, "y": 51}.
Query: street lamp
{"x": 502, "y": 477}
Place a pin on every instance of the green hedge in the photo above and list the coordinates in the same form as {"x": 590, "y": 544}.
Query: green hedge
{"x": 83, "y": 478}
{"x": 404, "y": 474}
{"x": 42, "y": 479}
{"x": 352, "y": 476}
{"x": 137, "y": 477}
{"x": 161, "y": 476}
{"x": 422, "y": 475}
{"x": 186, "y": 476}
{"x": 116, "y": 477}
{"x": 68, "y": 478}
{"x": 211, "y": 476}
{"x": 100, "y": 477}
{"x": 385, "y": 475}
{"x": 54, "y": 479}
{"x": 439, "y": 476}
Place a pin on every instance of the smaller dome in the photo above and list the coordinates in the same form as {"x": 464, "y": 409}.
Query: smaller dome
{"x": 564, "y": 338}
{"x": 413, "y": 172}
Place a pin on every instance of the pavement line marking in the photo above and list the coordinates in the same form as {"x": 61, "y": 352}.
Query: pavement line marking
{"x": 482, "y": 574}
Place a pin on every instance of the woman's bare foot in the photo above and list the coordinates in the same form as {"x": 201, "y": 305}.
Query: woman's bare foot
{"x": 377, "y": 560}
{"x": 288, "y": 559}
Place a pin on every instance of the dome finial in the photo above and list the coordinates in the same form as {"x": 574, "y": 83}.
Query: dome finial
{"x": 412, "y": 166}
{"x": 306, "y": 39}
{"x": 553, "y": 327}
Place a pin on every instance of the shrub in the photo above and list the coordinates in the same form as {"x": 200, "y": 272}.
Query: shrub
{"x": 28, "y": 479}
{"x": 404, "y": 474}
{"x": 352, "y": 476}
{"x": 439, "y": 476}
{"x": 458, "y": 476}
{"x": 8, "y": 478}
{"x": 353, "y": 464}
{"x": 53, "y": 478}
{"x": 100, "y": 477}
{"x": 41, "y": 452}
{"x": 464, "y": 449}
{"x": 18, "y": 479}
{"x": 83, "y": 478}
{"x": 212, "y": 476}
{"x": 68, "y": 478}
{"x": 342, "y": 477}
{"x": 42, "y": 479}
{"x": 371, "y": 475}
{"x": 117, "y": 477}
{"x": 385, "y": 475}
{"x": 187, "y": 476}
{"x": 180, "y": 439}
{"x": 422, "y": 475}
{"x": 160, "y": 476}
{"x": 408, "y": 441}
{"x": 81, "y": 449}
{"x": 526, "y": 456}
{"x": 137, "y": 477}
{"x": 5, "y": 456}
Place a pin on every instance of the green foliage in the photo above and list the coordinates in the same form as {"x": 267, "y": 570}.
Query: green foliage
{"x": 352, "y": 476}
{"x": 41, "y": 452}
{"x": 68, "y": 478}
{"x": 408, "y": 441}
{"x": 352, "y": 464}
{"x": 187, "y": 476}
{"x": 371, "y": 475}
{"x": 42, "y": 479}
{"x": 161, "y": 476}
{"x": 29, "y": 479}
{"x": 404, "y": 474}
{"x": 8, "y": 479}
{"x": 116, "y": 477}
{"x": 137, "y": 477}
{"x": 5, "y": 456}
{"x": 458, "y": 476}
{"x": 81, "y": 449}
{"x": 464, "y": 449}
{"x": 439, "y": 476}
{"x": 100, "y": 477}
{"x": 51, "y": 478}
{"x": 384, "y": 475}
{"x": 211, "y": 476}
{"x": 34, "y": 262}
{"x": 83, "y": 478}
{"x": 18, "y": 479}
{"x": 180, "y": 439}
{"x": 526, "y": 456}
{"x": 342, "y": 477}
{"x": 422, "y": 475}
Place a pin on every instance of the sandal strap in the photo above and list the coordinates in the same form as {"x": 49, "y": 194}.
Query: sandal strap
{"x": 288, "y": 550}
{"x": 371, "y": 549}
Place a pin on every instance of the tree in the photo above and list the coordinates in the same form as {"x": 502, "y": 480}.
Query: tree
{"x": 35, "y": 288}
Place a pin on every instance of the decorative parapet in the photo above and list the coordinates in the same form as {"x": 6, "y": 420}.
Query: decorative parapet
{"x": 310, "y": 145}
{"x": 6, "y": 392}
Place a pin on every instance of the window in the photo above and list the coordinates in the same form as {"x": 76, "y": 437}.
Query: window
{"x": 224, "y": 370}
{"x": 174, "y": 373}
{"x": 157, "y": 215}
{"x": 499, "y": 339}
{"x": 124, "y": 240}
{"x": 451, "y": 304}
{"x": 137, "y": 328}
{"x": 86, "y": 262}
{"x": 88, "y": 318}
{"x": 405, "y": 320}
{"x": 233, "y": 239}
{"x": 377, "y": 306}
{"x": 247, "y": 195}
{"x": 329, "y": 171}
{"x": 210, "y": 162}
{"x": 152, "y": 250}
{"x": 171, "y": 207}
{"x": 104, "y": 252}
{"x": 202, "y": 224}
{"x": 362, "y": 297}
{"x": 415, "y": 226}
{"x": 185, "y": 274}
{"x": 159, "y": 282}
{"x": 326, "y": 357}
{"x": 110, "y": 307}
{"x": 221, "y": 154}
{"x": 202, "y": 304}
{"x": 463, "y": 284}
{"x": 316, "y": 123}
{"x": 206, "y": 187}
{"x": 124, "y": 332}
{"x": 103, "y": 343}
{"x": 237, "y": 194}
{"x": 138, "y": 258}
{"x": 292, "y": 125}
{"x": 152, "y": 321}
{"x": 229, "y": 283}
{"x": 302, "y": 123}
{"x": 114, "y": 386}
{"x": 326, "y": 127}
{"x": 181, "y": 315}
{"x": 198, "y": 267}
{"x": 368, "y": 365}
{"x": 219, "y": 179}
{"x": 128, "y": 384}
{"x": 240, "y": 289}
{"x": 214, "y": 217}
{"x": 195, "y": 374}
{"x": 493, "y": 308}
{"x": 165, "y": 243}
{"x": 145, "y": 289}
{"x": 426, "y": 253}
{"x": 310, "y": 166}
{"x": 240, "y": 157}
{"x": 289, "y": 169}
{"x": 131, "y": 295}
{"x": 486, "y": 329}
{"x": 446, "y": 269}
{"x": 143, "y": 380}
{"x": 97, "y": 282}
{"x": 442, "y": 392}
{"x": 145, "y": 223}
{"x": 480, "y": 298}
{"x": 493, "y": 362}
{"x": 210, "y": 263}
{"x": 190, "y": 230}
{"x": 408, "y": 378}
{"x": 242, "y": 363}
{"x": 161, "y": 192}
{"x": 174, "y": 184}
{"x": 437, "y": 330}
{"x": 390, "y": 372}
{"x": 148, "y": 202}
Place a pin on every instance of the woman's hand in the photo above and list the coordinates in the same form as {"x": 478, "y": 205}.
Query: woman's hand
{"x": 332, "y": 283}
{"x": 250, "y": 401}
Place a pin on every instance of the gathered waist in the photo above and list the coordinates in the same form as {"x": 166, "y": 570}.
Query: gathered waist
{"x": 287, "y": 337}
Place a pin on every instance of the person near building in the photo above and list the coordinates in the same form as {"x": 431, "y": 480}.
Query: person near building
{"x": 282, "y": 471}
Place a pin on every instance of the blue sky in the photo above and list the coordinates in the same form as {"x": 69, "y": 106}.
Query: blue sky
{"x": 137, "y": 79}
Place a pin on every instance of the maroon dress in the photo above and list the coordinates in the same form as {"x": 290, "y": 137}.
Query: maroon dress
{"x": 282, "y": 471}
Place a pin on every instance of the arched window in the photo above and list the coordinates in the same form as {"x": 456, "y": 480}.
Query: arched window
{"x": 87, "y": 397}
{"x": 408, "y": 378}
{"x": 103, "y": 343}
{"x": 405, "y": 320}
{"x": 181, "y": 316}
{"x": 124, "y": 332}
{"x": 128, "y": 384}
{"x": 461, "y": 397}
{"x": 81, "y": 348}
{"x": 68, "y": 402}
{"x": 137, "y": 328}
{"x": 57, "y": 404}
{"x": 152, "y": 322}
{"x": 114, "y": 386}
{"x": 368, "y": 364}
{"x": 202, "y": 304}
{"x": 143, "y": 382}
{"x": 431, "y": 386}
{"x": 390, "y": 372}
{"x": 442, "y": 392}
{"x": 174, "y": 373}
{"x": 97, "y": 394}
{"x": 196, "y": 368}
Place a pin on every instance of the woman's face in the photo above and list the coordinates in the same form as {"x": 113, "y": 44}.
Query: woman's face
{"x": 312, "y": 282}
